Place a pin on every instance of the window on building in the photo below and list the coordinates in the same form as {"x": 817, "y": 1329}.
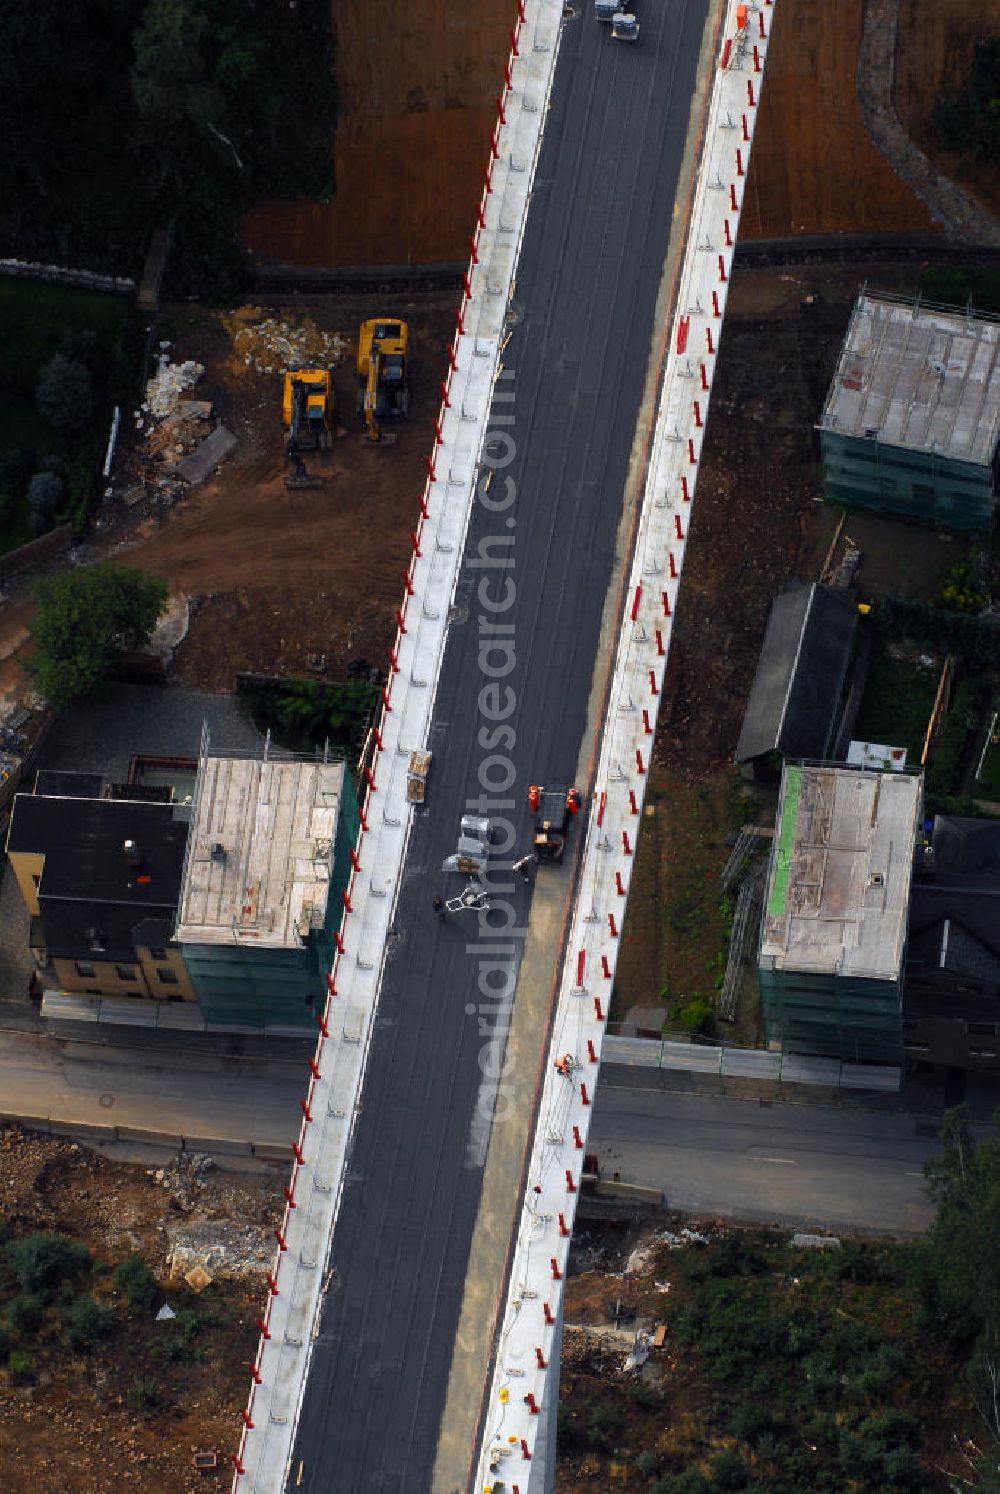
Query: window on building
{"x": 36, "y": 878}
{"x": 84, "y": 968}
{"x": 125, "y": 972}
{"x": 158, "y": 954}
{"x": 166, "y": 976}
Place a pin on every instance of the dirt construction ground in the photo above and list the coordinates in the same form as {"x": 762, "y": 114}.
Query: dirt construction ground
{"x": 129, "y": 1412}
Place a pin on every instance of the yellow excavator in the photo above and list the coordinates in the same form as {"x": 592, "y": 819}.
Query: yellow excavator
{"x": 382, "y": 374}
{"x": 307, "y": 410}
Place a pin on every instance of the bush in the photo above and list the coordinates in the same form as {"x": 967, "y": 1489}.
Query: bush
{"x": 750, "y": 1422}
{"x": 728, "y": 1470}
{"x": 21, "y": 1366}
{"x": 136, "y": 1281}
{"x": 641, "y": 1394}
{"x": 66, "y": 396}
{"x": 41, "y": 1261}
{"x": 647, "y": 1462}
{"x": 605, "y": 1424}
{"x": 688, "y": 1482}
{"x": 25, "y": 1314}
{"x": 695, "y": 1016}
{"x": 83, "y": 621}
{"x": 45, "y": 493}
{"x": 85, "y": 1323}
{"x": 143, "y": 1394}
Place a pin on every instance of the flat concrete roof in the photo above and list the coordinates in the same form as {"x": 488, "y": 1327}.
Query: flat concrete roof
{"x": 919, "y": 377}
{"x": 839, "y": 879}
{"x": 259, "y": 852}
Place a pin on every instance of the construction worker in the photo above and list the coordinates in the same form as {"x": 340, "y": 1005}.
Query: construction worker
{"x": 741, "y": 17}
{"x": 439, "y": 907}
{"x": 565, "y": 1064}
{"x": 521, "y": 867}
{"x": 534, "y": 797}
{"x": 574, "y": 800}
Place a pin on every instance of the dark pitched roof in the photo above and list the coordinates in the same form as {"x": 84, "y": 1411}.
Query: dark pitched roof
{"x": 963, "y": 845}
{"x": 800, "y": 673}
{"x": 78, "y": 930}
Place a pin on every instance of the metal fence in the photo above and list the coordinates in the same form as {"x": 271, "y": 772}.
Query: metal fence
{"x": 749, "y": 1063}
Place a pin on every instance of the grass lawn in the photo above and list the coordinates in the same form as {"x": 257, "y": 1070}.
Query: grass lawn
{"x": 897, "y": 704}
{"x": 988, "y": 778}
{"x": 35, "y": 319}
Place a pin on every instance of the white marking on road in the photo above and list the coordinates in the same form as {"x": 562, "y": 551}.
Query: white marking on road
{"x": 913, "y": 1174}
{"x": 785, "y": 1161}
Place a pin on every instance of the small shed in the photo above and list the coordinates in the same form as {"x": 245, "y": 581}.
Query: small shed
{"x": 793, "y": 706}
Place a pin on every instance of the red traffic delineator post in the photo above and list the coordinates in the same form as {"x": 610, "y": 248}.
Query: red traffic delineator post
{"x": 564, "y": 1232}
{"x": 739, "y": 162}
{"x": 605, "y": 967}
{"x": 685, "y": 489}
{"x": 619, "y": 884}
{"x": 298, "y": 1153}
{"x": 633, "y": 807}
{"x": 513, "y": 42}
{"x": 734, "y": 206}
{"x": 646, "y": 726}
{"x": 654, "y": 688}
{"x": 756, "y": 60}
{"x": 725, "y": 221}
{"x": 708, "y": 340}
{"x": 660, "y": 650}
{"x": 683, "y": 328}
{"x": 254, "y": 1372}
{"x": 234, "y": 1458}
{"x": 289, "y": 1195}
{"x": 577, "y": 1141}
{"x": 547, "y": 1312}
{"x": 556, "y": 1273}
{"x": 697, "y": 415}
{"x": 746, "y": 132}
{"x": 584, "y": 1097}
{"x": 692, "y": 458}
{"x": 570, "y": 1185}
{"x": 304, "y": 1107}
{"x": 540, "y": 1359}
{"x": 704, "y": 371}
{"x": 716, "y": 308}
{"x": 640, "y": 766}
{"x": 722, "y": 269}
{"x": 612, "y": 926}
{"x": 415, "y": 543}
{"x": 264, "y": 1330}
{"x": 760, "y": 20}
{"x": 460, "y": 321}
{"x": 488, "y": 178}
{"x": 525, "y": 1450}
{"x": 581, "y": 962}
{"x": 272, "y": 1284}
{"x": 321, "y": 1020}
{"x": 678, "y": 527}
{"x": 393, "y": 658}
{"x": 501, "y": 112}
{"x": 452, "y": 355}
{"x": 598, "y": 1009}
{"x": 385, "y": 691}
{"x": 591, "y": 1055}
{"x": 666, "y": 603}
{"x": 282, "y": 1242}
{"x": 246, "y": 1419}
{"x": 673, "y": 566}
{"x": 636, "y": 599}
{"x": 314, "y": 1068}
{"x": 355, "y": 860}
{"x": 751, "y": 100}
{"x": 626, "y": 843}
{"x": 407, "y": 584}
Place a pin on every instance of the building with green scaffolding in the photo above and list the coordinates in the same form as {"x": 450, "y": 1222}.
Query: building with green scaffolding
{"x": 268, "y": 859}
{"x": 833, "y": 931}
{"x": 911, "y": 425}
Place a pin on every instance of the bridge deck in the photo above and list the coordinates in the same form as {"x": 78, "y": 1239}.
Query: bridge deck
{"x": 589, "y": 274}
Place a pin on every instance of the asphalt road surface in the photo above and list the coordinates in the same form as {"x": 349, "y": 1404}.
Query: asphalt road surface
{"x": 788, "y": 1162}
{"x": 587, "y": 284}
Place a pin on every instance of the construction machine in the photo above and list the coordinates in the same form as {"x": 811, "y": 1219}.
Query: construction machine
{"x": 624, "y": 26}
{"x": 382, "y": 375}
{"x": 307, "y": 410}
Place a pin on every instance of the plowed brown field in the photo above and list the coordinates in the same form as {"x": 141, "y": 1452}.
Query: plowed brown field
{"x": 418, "y": 86}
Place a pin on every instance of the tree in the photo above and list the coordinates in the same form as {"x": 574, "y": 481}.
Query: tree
{"x": 84, "y": 619}
{"x": 65, "y": 395}
{"x": 41, "y": 1261}
{"x": 84, "y": 1322}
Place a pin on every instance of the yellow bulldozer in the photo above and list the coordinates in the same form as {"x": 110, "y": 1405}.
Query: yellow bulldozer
{"x": 308, "y": 414}
{"x": 382, "y": 375}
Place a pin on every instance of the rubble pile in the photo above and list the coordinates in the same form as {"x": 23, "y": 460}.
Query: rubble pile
{"x": 270, "y": 344}
{"x": 170, "y": 381}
